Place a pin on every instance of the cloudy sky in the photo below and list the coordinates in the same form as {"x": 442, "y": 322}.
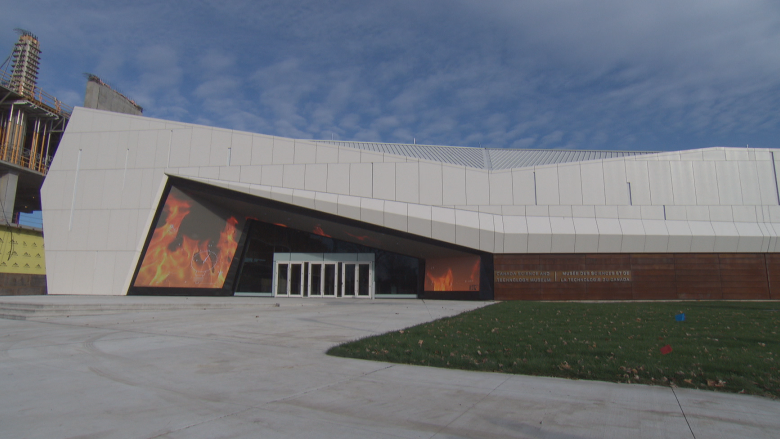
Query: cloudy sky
{"x": 625, "y": 75}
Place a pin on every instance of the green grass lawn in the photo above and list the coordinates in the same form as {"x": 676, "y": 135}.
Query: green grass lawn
{"x": 723, "y": 346}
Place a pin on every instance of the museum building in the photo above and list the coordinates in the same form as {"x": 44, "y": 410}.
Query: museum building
{"x": 134, "y": 205}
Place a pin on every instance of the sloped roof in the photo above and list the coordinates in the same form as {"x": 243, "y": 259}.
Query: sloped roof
{"x": 486, "y": 158}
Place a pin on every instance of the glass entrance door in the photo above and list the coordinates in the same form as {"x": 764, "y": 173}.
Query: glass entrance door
{"x": 324, "y": 279}
{"x": 357, "y": 279}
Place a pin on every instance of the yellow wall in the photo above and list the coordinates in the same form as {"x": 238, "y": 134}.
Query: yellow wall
{"x": 25, "y": 248}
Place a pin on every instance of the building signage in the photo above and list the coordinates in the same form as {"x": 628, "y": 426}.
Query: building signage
{"x": 569, "y": 276}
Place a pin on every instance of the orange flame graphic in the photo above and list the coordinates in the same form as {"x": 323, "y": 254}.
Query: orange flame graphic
{"x": 441, "y": 283}
{"x": 452, "y": 274}
{"x": 191, "y": 265}
{"x": 318, "y": 231}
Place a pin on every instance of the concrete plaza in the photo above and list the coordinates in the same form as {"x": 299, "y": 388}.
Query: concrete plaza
{"x": 174, "y": 367}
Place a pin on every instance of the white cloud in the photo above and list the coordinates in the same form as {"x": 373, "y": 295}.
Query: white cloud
{"x": 502, "y": 73}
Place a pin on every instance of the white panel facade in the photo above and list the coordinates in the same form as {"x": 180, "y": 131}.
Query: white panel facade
{"x": 713, "y": 200}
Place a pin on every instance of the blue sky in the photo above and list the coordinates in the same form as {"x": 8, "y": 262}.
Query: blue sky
{"x": 625, "y": 75}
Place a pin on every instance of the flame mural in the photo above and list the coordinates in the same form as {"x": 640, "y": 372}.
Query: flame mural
{"x": 452, "y": 274}
{"x": 182, "y": 252}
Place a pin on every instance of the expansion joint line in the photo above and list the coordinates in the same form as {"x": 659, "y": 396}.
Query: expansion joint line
{"x": 683, "y": 413}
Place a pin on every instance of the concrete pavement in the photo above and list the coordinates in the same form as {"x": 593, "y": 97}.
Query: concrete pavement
{"x": 244, "y": 367}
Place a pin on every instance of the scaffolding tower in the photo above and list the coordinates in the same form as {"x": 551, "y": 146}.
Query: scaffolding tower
{"x": 31, "y": 126}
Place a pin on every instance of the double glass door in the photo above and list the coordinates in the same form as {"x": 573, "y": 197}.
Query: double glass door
{"x": 324, "y": 279}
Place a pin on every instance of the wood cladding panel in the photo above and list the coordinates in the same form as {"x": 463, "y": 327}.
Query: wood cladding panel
{"x": 694, "y": 276}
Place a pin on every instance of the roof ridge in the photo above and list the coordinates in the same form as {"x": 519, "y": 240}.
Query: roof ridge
{"x": 486, "y": 147}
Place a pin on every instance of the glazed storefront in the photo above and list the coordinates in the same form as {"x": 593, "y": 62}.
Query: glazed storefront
{"x": 212, "y": 241}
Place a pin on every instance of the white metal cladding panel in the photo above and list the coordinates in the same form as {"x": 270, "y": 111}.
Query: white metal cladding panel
{"x": 347, "y": 155}
{"x": 706, "y": 181}
{"x": 515, "y": 234}
{"x": 637, "y": 175}
{"x": 744, "y": 214}
{"x": 729, "y": 184}
{"x": 262, "y": 150}
{"x": 220, "y": 142}
{"x": 272, "y": 175}
{"x": 90, "y": 189}
{"x": 679, "y": 236}
{"x": 430, "y": 184}
{"x": 615, "y": 184}
{"x": 523, "y": 187}
{"x": 547, "y": 185}
{"x": 721, "y": 213}
{"x": 349, "y": 207}
{"x": 141, "y": 154}
{"x": 570, "y": 184}
{"x": 326, "y": 202}
{"x": 660, "y": 177}
{"x": 487, "y": 231}
{"x": 702, "y": 236}
{"x": 98, "y": 226}
{"x": 748, "y": 178}
{"x": 284, "y": 151}
{"x": 726, "y": 236}
{"x": 240, "y": 149}
{"x": 419, "y": 220}
{"x": 563, "y": 235}
{"x": 633, "y": 239}
{"x": 372, "y": 211}
{"x": 562, "y": 211}
{"x": 630, "y": 212}
{"x": 739, "y": 154}
{"x": 656, "y": 236}
{"x": 697, "y": 213}
{"x": 407, "y": 184}
{"x": 586, "y": 235}
{"x": 200, "y": 147}
{"x": 498, "y": 225}
{"x": 539, "y": 235}
{"x": 371, "y": 157}
{"x": 396, "y": 215}
{"x": 111, "y": 197}
{"x": 294, "y": 176}
{"x": 361, "y": 179}
{"x": 443, "y": 224}
{"x": 338, "y": 178}
{"x": 765, "y": 172}
{"x": 653, "y": 212}
{"x": 467, "y": 228}
{"x": 303, "y": 198}
{"x": 583, "y": 211}
{"x": 477, "y": 187}
{"x": 592, "y": 175}
{"x": 179, "y": 154}
{"x": 305, "y": 152}
{"x": 56, "y": 189}
{"x": 454, "y": 185}
{"x": 384, "y": 181}
{"x": 109, "y": 144}
{"x": 750, "y": 237}
{"x": 606, "y": 211}
{"x": 316, "y": 177}
{"x": 327, "y": 154}
{"x": 610, "y": 235}
{"x": 683, "y": 185}
{"x": 500, "y": 188}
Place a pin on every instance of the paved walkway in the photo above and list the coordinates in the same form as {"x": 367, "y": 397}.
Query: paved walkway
{"x": 243, "y": 367}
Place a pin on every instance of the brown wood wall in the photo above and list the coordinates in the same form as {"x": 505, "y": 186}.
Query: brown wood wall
{"x": 733, "y": 276}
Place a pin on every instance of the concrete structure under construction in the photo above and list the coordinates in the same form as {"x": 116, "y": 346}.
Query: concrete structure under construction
{"x": 31, "y": 126}
{"x": 102, "y": 96}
